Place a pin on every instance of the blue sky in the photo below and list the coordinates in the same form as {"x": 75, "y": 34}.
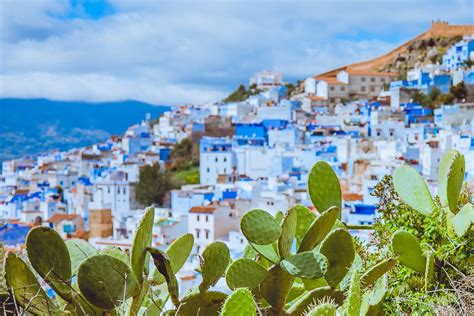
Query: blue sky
{"x": 173, "y": 52}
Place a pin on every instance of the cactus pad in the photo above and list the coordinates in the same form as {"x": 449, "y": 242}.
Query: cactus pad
{"x": 116, "y": 252}
{"x": 450, "y": 178}
{"x": 79, "y": 250}
{"x": 208, "y": 303}
{"x": 307, "y": 300}
{"x": 375, "y": 272}
{"x": 106, "y": 281}
{"x": 259, "y": 227}
{"x": 463, "y": 220}
{"x": 49, "y": 256}
{"x": 408, "y": 249}
{"x": 245, "y": 273}
{"x": 276, "y": 286}
{"x": 288, "y": 233}
{"x": 354, "y": 297}
{"x": 141, "y": 241}
{"x": 429, "y": 270}
{"x": 267, "y": 251}
{"x": 26, "y": 288}
{"x": 412, "y": 189}
{"x": 240, "y": 303}
{"x": 323, "y": 187}
{"x": 318, "y": 230}
{"x": 325, "y": 309}
{"x": 308, "y": 265}
{"x": 372, "y": 300}
{"x": 338, "y": 247}
{"x": 216, "y": 258}
{"x": 304, "y": 219}
{"x": 178, "y": 252}
{"x": 163, "y": 265}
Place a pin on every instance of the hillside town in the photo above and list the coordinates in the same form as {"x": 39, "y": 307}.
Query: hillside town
{"x": 253, "y": 153}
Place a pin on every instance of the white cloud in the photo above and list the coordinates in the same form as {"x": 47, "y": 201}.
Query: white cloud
{"x": 183, "y": 51}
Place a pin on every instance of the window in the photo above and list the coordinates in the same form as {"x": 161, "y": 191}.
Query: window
{"x": 108, "y": 189}
{"x": 372, "y": 89}
{"x": 362, "y": 89}
{"x": 225, "y": 170}
{"x": 332, "y": 88}
{"x": 197, "y": 218}
{"x": 382, "y": 79}
{"x": 362, "y": 79}
{"x": 372, "y": 79}
{"x": 124, "y": 190}
{"x": 332, "y": 100}
{"x": 118, "y": 190}
{"x": 207, "y": 233}
{"x": 198, "y": 248}
{"x": 343, "y": 88}
{"x": 392, "y": 132}
{"x": 216, "y": 159}
{"x": 207, "y": 170}
{"x": 230, "y": 214}
{"x": 379, "y": 132}
{"x": 225, "y": 159}
{"x": 198, "y": 232}
{"x": 207, "y": 218}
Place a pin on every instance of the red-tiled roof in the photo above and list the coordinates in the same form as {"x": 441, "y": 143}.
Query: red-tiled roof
{"x": 202, "y": 209}
{"x": 56, "y": 218}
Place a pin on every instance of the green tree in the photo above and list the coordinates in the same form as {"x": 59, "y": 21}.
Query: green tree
{"x": 153, "y": 184}
{"x": 184, "y": 155}
{"x": 459, "y": 91}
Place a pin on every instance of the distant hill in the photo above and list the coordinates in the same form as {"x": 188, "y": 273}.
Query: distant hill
{"x": 423, "y": 49}
{"x": 33, "y": 126}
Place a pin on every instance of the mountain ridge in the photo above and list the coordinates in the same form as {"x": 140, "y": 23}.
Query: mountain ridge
{"x": 52, "y": 124}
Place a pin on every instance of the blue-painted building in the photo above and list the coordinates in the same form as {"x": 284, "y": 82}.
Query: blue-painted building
{"x": 457, "y": 54}
{"x": 250, "y": 134}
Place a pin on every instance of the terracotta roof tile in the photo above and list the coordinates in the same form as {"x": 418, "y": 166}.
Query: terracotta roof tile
{"x": 56, "y": 218}
{"x": 202, "y": 209}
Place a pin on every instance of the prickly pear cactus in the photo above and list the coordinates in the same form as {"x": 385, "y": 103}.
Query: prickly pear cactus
{"x": 178, "y": 252}
{"x": 307, "y": 265}
{"x": 318, "y": 230}
{"x": 288, "y": 233}
{"x": 49, "y": 256}
{"x": 276, "y": 286}
{"x": 354, "y": 296}
{"x": 377, "y": 271}
{"x": 268, "y": 252}
{"x": 338, "y": 248}
{"x": 408, "y": 250}
{"x": 116, "y": 252}
{"x": 207, "y": 303}
{"x": 163, "y": 265}
{"x": 239, "y": 303}
{"x": 216, "y": 258}
{"x": 324, "y": 309}
{"x": 106, "y": 281}
{"x": 372, "y": 300}
{"x": 141, "y": 241}
{"x": 259, "y": 227}
{"x": 450, "y": 178}
{"x": 79, "y": 250}
{"x": 304, "y": 219}
{"x": 429, "y": 270}
{"x": 245, "y": 273}
{"x": 26, "y": 289}
{"x": 307, "y": 300}
{"x": 323, "y": 187}
{"x": 463, "y": 220}
{"x": 412, "y": 189}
